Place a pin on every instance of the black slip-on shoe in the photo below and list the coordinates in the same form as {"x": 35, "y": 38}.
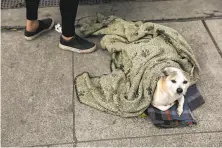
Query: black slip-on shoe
{"x": 44, "y": 26}
{"x": 77, "y": 44}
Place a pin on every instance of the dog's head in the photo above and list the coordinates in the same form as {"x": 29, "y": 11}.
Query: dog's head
{"x": 176, "y": 80}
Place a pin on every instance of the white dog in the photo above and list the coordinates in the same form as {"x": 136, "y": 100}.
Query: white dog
{"x": 173, "y": 86}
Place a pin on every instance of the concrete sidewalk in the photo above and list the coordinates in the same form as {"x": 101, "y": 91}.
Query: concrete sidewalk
{"x": 39, "y": 105}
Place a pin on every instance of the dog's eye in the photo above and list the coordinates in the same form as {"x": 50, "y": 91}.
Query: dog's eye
{"x": 184, "y": 82}
{"x": 173, "y": 81}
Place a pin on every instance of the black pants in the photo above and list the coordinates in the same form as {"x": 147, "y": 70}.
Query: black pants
{"x": 68, "y": 9}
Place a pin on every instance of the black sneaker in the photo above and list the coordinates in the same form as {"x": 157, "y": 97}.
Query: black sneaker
{"x": 77, "y": 44}
{"x": 44, "y": 25}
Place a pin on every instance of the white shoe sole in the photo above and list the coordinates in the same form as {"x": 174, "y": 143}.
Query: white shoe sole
{"x": 77, "y": 50}
{"x": 35, "y": 36}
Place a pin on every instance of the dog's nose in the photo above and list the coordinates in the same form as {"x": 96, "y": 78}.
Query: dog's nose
{"x": 179, "y": 90}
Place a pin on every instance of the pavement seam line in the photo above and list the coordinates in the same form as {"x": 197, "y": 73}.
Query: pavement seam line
{"x": 17, "y": 28}
{"x": 163, "y": 135}
{"x": 212, "y": 38}
{"x": 48, "y": 145}
{"x": 73, "y": 99}
{"x": 182, "y": 19}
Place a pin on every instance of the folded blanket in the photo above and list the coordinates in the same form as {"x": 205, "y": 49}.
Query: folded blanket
{"x": 140, "y": 51}
{"x": 170, "y": 118}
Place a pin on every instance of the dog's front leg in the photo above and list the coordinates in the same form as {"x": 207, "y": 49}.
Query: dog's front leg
{"x": 180, "y": 105}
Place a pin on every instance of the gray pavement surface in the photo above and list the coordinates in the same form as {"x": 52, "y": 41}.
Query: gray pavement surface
{"x": 36, "y": 105}
{"x": 216, "y": 31}
{"x": 38, "y": 102}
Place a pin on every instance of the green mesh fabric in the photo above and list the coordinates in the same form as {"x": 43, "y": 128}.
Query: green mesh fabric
{"x": 140, "y": 51}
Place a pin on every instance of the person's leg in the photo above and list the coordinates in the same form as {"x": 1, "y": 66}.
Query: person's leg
{"x": 69, "y": 40}
{"x": 35, "y": 27}
{"x": 68, "y": 9}
{"x": 32, "y": 15}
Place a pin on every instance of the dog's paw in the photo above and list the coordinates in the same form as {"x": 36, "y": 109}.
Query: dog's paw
{"x": 179, "y": 111}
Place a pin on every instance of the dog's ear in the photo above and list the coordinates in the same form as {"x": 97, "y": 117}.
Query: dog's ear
{"x": 167, "y": 71}
{"x": 192, "y": 72}
{"x": 187, "y": 75}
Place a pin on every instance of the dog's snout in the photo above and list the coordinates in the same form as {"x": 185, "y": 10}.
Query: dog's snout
{"x": 179, "y": 90}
